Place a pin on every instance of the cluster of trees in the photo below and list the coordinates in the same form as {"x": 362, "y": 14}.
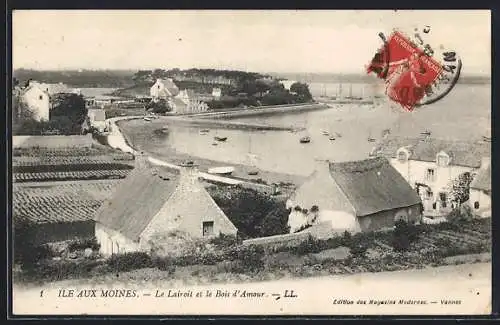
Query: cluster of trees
{"x": 77, "y": 78}
{"x": 159, "y": 107}
{"x": 67, "y": 115}
{"x": 254, "y": 214}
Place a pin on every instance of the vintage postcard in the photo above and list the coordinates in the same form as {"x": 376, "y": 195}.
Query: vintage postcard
{"x": 251, "y": 162}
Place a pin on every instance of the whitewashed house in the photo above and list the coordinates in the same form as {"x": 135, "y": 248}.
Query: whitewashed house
{"x": 431, "y": 165}
{"x": 163, "y": 89}
{"x": 192, "y": 103}
{"x": 353, "y": 196}
{"x": 216, "y": 93}
{"x": 37, "y": 101}
{"x": 37, "y": 96}
{"x": 150, "y": 203}
{"x": 287, "y": 83}
{"x": 480, "y": 191}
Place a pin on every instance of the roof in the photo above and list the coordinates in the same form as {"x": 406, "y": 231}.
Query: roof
{"x": 138, "y": 199}
{"x": 170, "y": 86}
{"x": 180, "y": 105}
{"x": 482, "y": 181}
{"x": 462, "y": 153}
{"x": 373, "y": 185}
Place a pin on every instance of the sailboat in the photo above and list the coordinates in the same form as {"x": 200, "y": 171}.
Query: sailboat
{"x": 251, "y": 157}
{"x": 370, "y": 139}
{"x": 306, "y": 138}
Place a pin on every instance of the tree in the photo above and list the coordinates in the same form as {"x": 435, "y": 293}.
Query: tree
{"x": 404, "y": 234}
{"x": 459, "y": 187}
{"x": 160, "y": 107}
{"x": 68, "y": 113}
{"x": 302, "y": 91}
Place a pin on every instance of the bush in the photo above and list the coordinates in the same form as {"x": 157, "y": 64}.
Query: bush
{"x": 129, "y": 261}
{"x": 82, "y": 244}
{"x": 310, "y": 245}
{"x": 223, "y": 241}
{"x": 403, "y": 235}
{"x": 251, "y": 258}
{"x": 346, "y": 239}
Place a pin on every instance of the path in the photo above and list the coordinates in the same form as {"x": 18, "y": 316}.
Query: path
{"x": 468, "y": 284}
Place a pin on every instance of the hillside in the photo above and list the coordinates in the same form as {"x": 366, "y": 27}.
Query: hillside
{"x": 79, "y": 78}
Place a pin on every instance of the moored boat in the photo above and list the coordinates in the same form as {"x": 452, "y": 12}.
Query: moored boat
{"x": 221, "y": 170}
{"x": 305, "y": 139}
{"x": 221, "y": 139}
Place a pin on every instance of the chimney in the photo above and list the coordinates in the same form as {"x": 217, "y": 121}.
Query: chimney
{"x": 189, "y": 175}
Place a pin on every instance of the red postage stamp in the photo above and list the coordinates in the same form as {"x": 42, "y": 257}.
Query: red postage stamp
{"x": 408, "y": 71}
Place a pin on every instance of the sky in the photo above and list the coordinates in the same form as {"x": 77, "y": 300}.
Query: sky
{"x": 312, "y": 41}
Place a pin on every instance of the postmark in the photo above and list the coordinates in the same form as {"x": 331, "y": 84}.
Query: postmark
{"x": 414, "y": 73}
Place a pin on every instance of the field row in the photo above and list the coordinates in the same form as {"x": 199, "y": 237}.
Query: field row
{"x": 31, "y": 161}
{"x": 55, "y": 211}
{"x": 94, "y": 188}
{"x": 71, "y": 175}
{"x": 74, "y": 151}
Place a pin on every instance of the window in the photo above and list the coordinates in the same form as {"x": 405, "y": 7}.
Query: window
{"x": 476, "y": 205}
{"x": 402, "y": 156}
{"x": 430, "y": 194}
{"x": 208, "y": 228}
{"x": 430, "y": 175}
{"x": 158, "y": 86}
{"x": 442, "y": 161}
{"x": 40, "y": 97}
{"x": 442, "y": 197}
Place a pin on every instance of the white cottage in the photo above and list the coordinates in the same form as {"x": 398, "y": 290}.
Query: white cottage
{"x": 430, "y": 165}
{"x": 149, "y": 203}
{"x": 37, "y": 100}
{"x": 480, "y": 192}
{"x": 163, "y": 89}
{"x": 353, "y": 196}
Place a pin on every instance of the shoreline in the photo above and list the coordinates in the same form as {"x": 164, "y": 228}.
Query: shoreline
{"x": 118, "y": 138}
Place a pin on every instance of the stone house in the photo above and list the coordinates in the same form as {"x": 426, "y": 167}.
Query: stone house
{"x": 37, "y": 101}
{"x": 192, "y": 103}
{"x": 38, "y": 97}
{"x": 430, "y": 165}
{"x": 163, "y": 89}
{"x": 354, "y": 196}
{"x": 480, "y": 192}
{"x": 149, "y": 203}
{"x": 216, "y": 93}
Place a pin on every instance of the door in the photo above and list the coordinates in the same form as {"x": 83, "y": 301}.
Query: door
{"x": 208, "y": 228}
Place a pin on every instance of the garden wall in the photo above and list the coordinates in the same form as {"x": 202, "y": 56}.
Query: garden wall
{"x": 51, "y": 141}
{"x": 278, "y": 240}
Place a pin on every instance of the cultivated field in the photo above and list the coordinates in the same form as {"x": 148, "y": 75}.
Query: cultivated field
{"x": 73, "y": 201}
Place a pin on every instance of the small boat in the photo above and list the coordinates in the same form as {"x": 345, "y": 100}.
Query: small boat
{"x": 221, "y": 139}
{"x": 215, "y": 144}
{"x": 325, "y": 133}
{"x": 338, "y": 135}
{"x": 253, "y": 172}
{"x": 332, "y": 138}
{"x": 221, "y": 170}
{"x": 204, "y": 131}
{"x": 305, "y": 140}
{"x": 426, "y": 132}
{"x": 147, "y": 119}
{"x": 370, "y": 139}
